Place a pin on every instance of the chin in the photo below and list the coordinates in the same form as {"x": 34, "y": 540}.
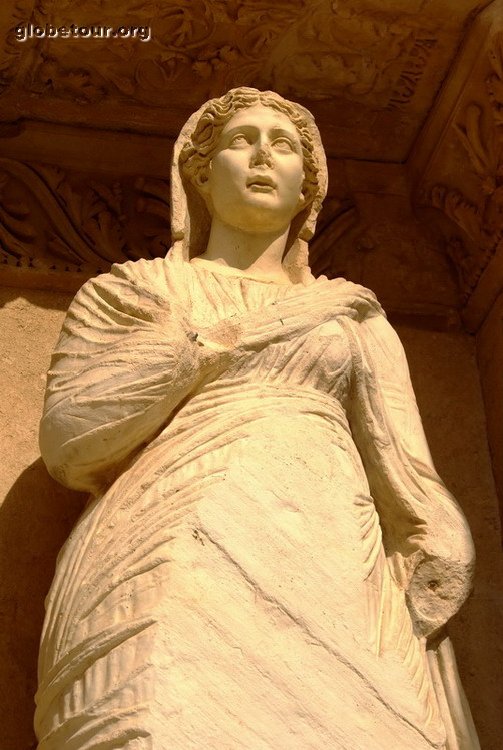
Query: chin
{"x": 261, "y": 217}
{"x": 261, "y": 223}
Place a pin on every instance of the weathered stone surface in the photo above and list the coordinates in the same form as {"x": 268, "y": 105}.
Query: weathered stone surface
{"x": 37, "y": 514}
{"x": 378, "y": 65}
{"x": 63, "y": 111}
{"x": 458, "y": 157}
{"x": 219, "y": 550}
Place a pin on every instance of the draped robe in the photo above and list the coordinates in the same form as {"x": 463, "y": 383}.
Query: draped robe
{"x": 267, "y": 542}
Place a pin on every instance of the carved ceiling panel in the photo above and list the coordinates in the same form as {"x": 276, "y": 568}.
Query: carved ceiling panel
{"x": 369, "y": 70}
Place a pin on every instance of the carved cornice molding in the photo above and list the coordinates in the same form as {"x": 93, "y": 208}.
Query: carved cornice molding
{"x": 304, "y": 49}
{"x": 73, "y": 225}
{"x": 464, "y": 180}
{"x": 479, "y": 129}
{"x": 54, "y": 220}
{"x": 366, "y": 68}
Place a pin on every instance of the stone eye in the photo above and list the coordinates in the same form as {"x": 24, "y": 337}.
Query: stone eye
{"x": 283, "y": 144}
{"x": 239, "y": 140}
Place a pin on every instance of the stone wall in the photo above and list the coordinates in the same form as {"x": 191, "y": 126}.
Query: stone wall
{"x": 36, "y": 514}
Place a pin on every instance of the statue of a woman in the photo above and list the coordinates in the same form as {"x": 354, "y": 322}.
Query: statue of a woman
{"x": 268, "y": 557}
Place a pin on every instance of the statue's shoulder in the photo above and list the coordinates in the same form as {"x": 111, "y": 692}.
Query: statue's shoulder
{"x": 356, "y": 296}
{"x": 149, "y": 272}
{"x": 158, "y": 277}
{"x": 144, "y": 283}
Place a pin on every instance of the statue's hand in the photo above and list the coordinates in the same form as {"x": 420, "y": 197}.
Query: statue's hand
{"x": 215, "y": 348}
{"x": 255, "y": 330}
{"x": 223, "y": 337}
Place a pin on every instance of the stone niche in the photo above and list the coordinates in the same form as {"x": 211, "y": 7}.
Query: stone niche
{"x": 409, "y": 103}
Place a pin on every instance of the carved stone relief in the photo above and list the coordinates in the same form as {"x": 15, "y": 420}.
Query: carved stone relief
{"x": 468, "y": 168}
{"x": 65, "y": 221}
{"x": 52, "y": 219}
{"x": 376, "y": 64}
{"x": 383, "y": 246}
{"x": 11, "y": 15}
{"x": 318, "y": 42}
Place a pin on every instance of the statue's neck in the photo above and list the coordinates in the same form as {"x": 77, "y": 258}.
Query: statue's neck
{"x": 256, "y": 254}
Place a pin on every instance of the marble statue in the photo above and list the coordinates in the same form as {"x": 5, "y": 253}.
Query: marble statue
{"x": 268, "y": 557}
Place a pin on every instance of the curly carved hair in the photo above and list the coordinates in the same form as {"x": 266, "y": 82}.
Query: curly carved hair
{"x": 198, "y": 151}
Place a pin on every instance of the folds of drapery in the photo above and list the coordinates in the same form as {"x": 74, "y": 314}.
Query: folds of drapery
{"x": 454, "y": 708}
{"x": 426, "y": 536}
{"x": 124, "y": 360}
{"x": 127, "y": 358}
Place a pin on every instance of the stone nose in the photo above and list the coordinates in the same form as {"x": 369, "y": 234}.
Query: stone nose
{"x": 262, "y": 156}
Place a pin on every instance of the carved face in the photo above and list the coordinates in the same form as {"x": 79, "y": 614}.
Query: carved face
{"x": 256, "y": 175}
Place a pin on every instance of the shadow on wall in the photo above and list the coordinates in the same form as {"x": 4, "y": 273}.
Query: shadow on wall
{"x": 35, "y": 520}
{"x": 48, "y": 300}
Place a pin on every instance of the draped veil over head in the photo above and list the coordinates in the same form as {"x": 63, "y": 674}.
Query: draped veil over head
{"x": 194, "y": 147}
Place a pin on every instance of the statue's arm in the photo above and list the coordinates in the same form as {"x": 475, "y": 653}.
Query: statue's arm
{"x": 424, "y": 528}
{"x": 124, "y": 360}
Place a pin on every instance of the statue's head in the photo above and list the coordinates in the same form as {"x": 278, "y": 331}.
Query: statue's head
{"x": 297, "y": 154}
